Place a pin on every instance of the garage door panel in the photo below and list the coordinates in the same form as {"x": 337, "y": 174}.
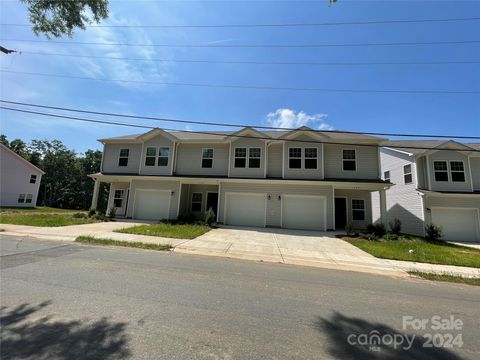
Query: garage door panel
{"x": 457, "y": 224}
{"x": 245, "y": 209}
{"x": 152, "y": 204}
{"x": 303, "y": 212}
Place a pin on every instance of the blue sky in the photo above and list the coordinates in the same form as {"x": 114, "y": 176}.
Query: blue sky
{"x": 412, "y": 113}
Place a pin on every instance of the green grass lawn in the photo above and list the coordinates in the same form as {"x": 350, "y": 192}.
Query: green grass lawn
{"x": 42, "y": 220}
{"x": 446, "y": 277}
{"x": 168, "y": 230}
{"x": 423, "y": 251}
{"x": 95, "y": 241}
{"x": 34, "y": 210}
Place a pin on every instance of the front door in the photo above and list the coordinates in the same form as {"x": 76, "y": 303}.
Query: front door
{"x": 340, "y": 213}
{"x": 212, "y": 201}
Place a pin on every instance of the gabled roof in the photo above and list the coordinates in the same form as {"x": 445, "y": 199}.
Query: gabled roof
{"x": 418, "y": 147}
{"x": 247, "y": 130}
{"x": 155, "y": 132}
{"x": 303, "y": 130}
{"x": 3, "y": 147}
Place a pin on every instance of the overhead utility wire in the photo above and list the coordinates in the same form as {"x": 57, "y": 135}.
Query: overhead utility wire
{"x": 249, "y": 87}
{"x": 340, "y": 63}
{"x": 229, "y": 125}
{"x": 220, "y": 134}
{"x": 371, "y": 22}
{"x": 253, "y": 45}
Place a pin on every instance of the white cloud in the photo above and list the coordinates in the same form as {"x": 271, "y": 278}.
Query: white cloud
{"x": 288, "y": 118}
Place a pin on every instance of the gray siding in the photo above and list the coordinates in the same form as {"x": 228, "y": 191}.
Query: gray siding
{"x": 247, "y": 172}
{"x": 275, "y": 160}
{"x": 422, "y": 176}
{"x": 189, "y": 159}
{"x": 303, "y": 173}
{"x": 367, "y": 162}
{"x": 357, "y": 195}
{"x": 273, "y": 216}
{"x": 475, "y": 168}
{"x": 158, "y": 185}
{"x": 111, "y": 153}
{"x": 158, "y": 141}
{"x": 449, "y": 185}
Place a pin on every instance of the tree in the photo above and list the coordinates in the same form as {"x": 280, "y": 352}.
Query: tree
{"x": 61, "y": 17}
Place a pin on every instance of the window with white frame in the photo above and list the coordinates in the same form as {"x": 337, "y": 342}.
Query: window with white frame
{"x": 207, "y": 158}
{"x": 311, "y": 158}
{"x": 196, "y": 202}
{"x": 150, "y": 156}
{"x": 118, "y": 198}
{"x": 295, "y": 158}
{"x": 254, "y": 155}
{"x": 440, "y": 170}
{"x": 407, "y": 174}
{"x": 240, "y": 160}
{"x": 21, "y": 198}
{"x": 386, "y": 175}
{"x": 163, "y": 154}
{"x": 457, "y": 171}
{"x": 358, "y": 209}
{"x": 349, "y": 160}
{"x": 29, "y": 199}
{"x": 33, "y": 179}
{"x": 123, "y": 157}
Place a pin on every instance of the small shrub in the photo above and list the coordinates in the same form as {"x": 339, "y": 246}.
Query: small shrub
{"x": 101, "y": 212}
{"x": 112, "y": 211}
{"x": 79, "y": 216}
{"x": 210, "y": 217}
{"x": 391, "y": 237}
{"x": 433, "y": 232}
{"x": 395, "y": 226}
{"x": 376, "y": 229}
{"x": 99, "y": 216}
{"x": 186, "y": 218}
{"x": 91, "y": 212}
{"x": 369, "y": 236}
{"x": 349, "y": 229}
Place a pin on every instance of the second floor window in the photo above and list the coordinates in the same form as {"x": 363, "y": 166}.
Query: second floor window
{"x": 407, "y": 174}
{"x": 254, "y": 158}
{"x": 295, "y": 158}
{"x": 33, "y": 179}
{"x": 441, "y": 171}
{"x": 163, "y": 154}
{"x": 457, "y": 171}
{"x": 310, "y": 158}
{"x": 386, "y": 175}
{"x": 240, "y": 158}
{"x": 349, "y": 160}
{"x": 151, "y": 156}
{"x": 123, "y": 158}
{"x": 207, "y": 158}
{"x": 358, "y": 209}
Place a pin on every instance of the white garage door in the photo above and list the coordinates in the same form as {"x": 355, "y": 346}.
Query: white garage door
{"x": 245, "y": 209}
{"x": 457, "y": 224}
{"x": 151, "y": 204}
{"x": 304, "y": 212}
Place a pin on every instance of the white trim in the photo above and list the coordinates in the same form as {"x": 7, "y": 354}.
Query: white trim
{"x": 201, "y": 201}
{"x": 218, "y": 202}
{"x": 123, "y": 157}
{"x": 283, "y": 159}
{"x": 229, "y": 159}
{"x": 245, "y": 193}
{"x": 364, "y": 209}
{"x": 450, "y": 171}
{"x": 323, "y": 160}
{"x": 213, "y": 157}
{"x": 400, "y": 151}
{"x": 179, "y": 198}
{"x": 356, "y": 165}
{"x": 309, "y": 197}
{"x": 247, "y": 157}
{"x": 265, "y": 161}
{"x": 156, "y": 190}
{"x": 141, "y": 158}
{"x": 157, "y": 156}
{"x": 333, "y": 205}
{"x": 174, "y": 158}
{"x": 470, "y": 171}
{"x": 410, "y": 173}
{"x": 429, "y": 175}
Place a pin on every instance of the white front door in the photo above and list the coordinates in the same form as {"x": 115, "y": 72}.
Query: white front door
{"x": 152, "y": 204}
{"x": 304, "y": 212}
{"x": 457, "y": 224}
{"x": 245, "y": 209}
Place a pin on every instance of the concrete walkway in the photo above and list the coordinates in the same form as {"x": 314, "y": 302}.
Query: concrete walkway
{"x": 307, "y": 248}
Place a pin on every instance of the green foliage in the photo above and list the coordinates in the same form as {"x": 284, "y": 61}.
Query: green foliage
{"x": 79, "y": 215}
{"x": 349, "y": 228}
{"x": 446, "y": 277}
{"x": 376, "y": 229}
{"x": 210, "y": 217}
{"x": 112, "y": 211}
{"x": 369, "y": 236}
{"x": 433, "y": 232}
{"x": 91, "y": 212}
{"x": 391, "y": 237}
{"x": 96, "y": 241}
{"x": 61, "y": 17}
{"x": 395, "y": 226}
{"x": 170, "y": 230}
{"x": 42, "y": 220}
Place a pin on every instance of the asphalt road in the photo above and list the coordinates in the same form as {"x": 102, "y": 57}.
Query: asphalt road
{"x": 66, "y": 301}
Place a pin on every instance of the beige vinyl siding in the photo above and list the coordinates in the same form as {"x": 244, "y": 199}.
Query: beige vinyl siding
{"x": 188, "y": 190}
{"x": 155, "y": 185}
{"x": 367, "y": 162}
{"x": 247, "y": 172}
{"x": 422, "y": 176}
{"x": 302, "y": 173}
{"x": 274, "y": 211}
{"x": 189, "y": 159}
{"x": 475, "y": 166}
{"x": 450, "y": 202}
{"x": 357, "y": 195}
{"x": 449, "y": 185}
{"x": 275, "y": 161}
{"x": 157, "y": 142}
{"x": 111, "y": 154}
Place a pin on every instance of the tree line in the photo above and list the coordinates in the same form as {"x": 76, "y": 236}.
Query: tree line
{"x": 65, "y": 183}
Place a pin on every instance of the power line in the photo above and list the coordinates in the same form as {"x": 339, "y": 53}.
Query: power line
{"x": 193, "y": 122}
{"x": 248, "y": 87}
{"x": 220, "y": 134}
{"x": 339, "y": 63}
{"x": 372, "y": 22}
{"x": 253, "y": 45}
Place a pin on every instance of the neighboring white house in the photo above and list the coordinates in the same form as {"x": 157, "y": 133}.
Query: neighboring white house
{"x": 438, "y": 182}
{"x": 19, "y": 180}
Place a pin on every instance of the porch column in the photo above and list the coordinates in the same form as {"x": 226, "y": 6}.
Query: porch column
{"x": 96, "y": 190}
{"x": 383, "y": 208}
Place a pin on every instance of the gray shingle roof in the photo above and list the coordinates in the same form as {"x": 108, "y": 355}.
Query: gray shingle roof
{"x": 410, "y": 145}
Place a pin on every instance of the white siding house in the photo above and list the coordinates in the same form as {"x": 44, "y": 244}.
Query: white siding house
{"x": 19, "y": 180}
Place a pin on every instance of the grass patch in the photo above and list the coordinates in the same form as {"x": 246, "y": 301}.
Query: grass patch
{"x": 177, "y": 231}
{"x": 438, "y": 252}
{"x": 35, "y": 210}
{"x": 42, "y": 220}
{"x": 446, "y": 277}
{"x": 95, "y": 241}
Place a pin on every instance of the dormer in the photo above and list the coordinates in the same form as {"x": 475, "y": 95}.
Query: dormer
{"x": 158, "y": 152}
{"x": 248, "y": 148}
